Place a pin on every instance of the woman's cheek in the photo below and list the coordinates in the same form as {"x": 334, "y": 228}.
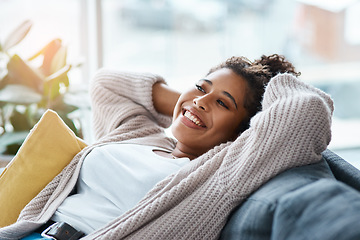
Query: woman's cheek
{"x": 175, "y": 129}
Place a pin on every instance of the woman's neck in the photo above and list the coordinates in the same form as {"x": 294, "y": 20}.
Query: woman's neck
{"x": 181, "y": 151}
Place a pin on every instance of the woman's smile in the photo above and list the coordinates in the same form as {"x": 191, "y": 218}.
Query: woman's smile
{"x": 192, "y": 120}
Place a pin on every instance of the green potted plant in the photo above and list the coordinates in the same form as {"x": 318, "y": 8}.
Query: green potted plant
{"x": 27, "y": 90}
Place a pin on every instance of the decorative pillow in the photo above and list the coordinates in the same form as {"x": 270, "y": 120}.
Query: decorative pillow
{"x": 48, "y": 148}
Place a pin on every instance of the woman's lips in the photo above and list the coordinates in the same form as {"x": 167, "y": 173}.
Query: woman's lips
{"x": 192, "y": 120}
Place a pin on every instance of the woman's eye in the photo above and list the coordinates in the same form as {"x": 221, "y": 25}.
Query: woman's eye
{"x": 221, "y": 103}
{"x": 198, "y": 87}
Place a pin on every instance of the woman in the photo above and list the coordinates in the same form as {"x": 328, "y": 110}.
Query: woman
{"x": 211, "y": 167}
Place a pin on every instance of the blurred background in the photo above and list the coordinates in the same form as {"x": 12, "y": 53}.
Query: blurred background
{"x": 181, "y": 40}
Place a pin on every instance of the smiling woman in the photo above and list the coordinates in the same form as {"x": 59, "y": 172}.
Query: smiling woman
{"x": 135, "y": 182}
{"x": 210, "y": 113}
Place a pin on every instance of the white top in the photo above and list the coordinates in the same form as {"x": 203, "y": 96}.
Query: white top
{"x": 113, "y": 178}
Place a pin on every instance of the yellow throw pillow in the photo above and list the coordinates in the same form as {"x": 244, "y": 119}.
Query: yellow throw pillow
{"x": 48, "y": 148}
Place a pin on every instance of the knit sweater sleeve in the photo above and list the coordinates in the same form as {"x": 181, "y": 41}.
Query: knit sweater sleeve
{"x": 292, "y": 129}
{"x": 119, "y": 96}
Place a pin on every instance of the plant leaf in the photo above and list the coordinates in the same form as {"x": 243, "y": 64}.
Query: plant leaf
{"x": 17, "y": 35}
{"x": 59, "y": 74}
{"x": 49, "y": 52}
{"x": 18, "y": 94}
{"x": 53, "y": 83}
{"x": 10, "y": 142}
{"x": 21, "y": 73}
{"x": 20, "y": 121}
{"x": 4, "y": 81}
{"x": 54, "y": 91}
{"x": 59, "y": 60}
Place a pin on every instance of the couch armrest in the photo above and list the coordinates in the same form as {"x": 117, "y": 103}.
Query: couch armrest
{"x": 342, "y": 170}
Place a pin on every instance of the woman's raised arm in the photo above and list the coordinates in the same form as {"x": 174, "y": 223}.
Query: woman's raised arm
{"x": 164, "y": 98}
{"x": 292, "y": 130}
{"x": 117, "y": 97}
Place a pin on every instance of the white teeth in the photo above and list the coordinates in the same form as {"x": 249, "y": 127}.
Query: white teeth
{"x": 192, "y": 118}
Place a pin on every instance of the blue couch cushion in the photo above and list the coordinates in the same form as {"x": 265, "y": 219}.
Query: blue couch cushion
{"x": 253, "y": 220}
{"x": 342, "y": 170}
{"x": 323, "y": 210}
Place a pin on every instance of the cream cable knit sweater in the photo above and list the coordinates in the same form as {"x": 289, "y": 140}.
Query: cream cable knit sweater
{"x": 292, "y": 130}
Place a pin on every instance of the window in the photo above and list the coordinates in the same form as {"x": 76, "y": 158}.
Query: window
{"x": 181, "y": 40}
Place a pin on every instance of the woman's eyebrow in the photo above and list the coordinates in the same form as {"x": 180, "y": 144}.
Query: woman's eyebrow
{"x": 206, "y": 80}
{"x": 231, "y": 98}
{"x": 226, "y": 93}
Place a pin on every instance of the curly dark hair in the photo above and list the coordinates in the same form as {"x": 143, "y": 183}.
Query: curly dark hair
{"x": 257, "y": 75}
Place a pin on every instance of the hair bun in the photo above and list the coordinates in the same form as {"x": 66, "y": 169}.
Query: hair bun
{"x": 276, "y": 64}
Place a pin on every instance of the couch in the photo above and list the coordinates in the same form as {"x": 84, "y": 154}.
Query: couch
{"x": 318, "y": 201}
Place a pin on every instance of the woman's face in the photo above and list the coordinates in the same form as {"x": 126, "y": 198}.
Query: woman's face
{"x": 210, "y": 112}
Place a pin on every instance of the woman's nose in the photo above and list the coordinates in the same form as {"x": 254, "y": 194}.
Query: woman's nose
{"x": 200, "y": 102}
